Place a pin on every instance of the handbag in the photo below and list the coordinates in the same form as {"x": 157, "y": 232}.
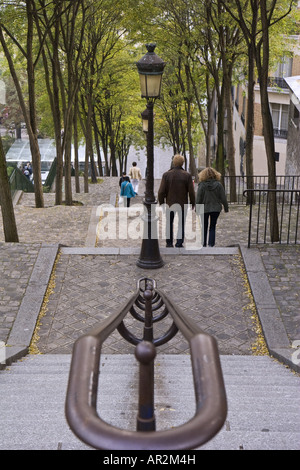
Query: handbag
{"x": 121, "y": 198}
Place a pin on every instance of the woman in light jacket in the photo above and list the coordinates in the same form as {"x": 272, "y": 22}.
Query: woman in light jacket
{"x": 127, "y": 190}
{"x": 211, "y": 193}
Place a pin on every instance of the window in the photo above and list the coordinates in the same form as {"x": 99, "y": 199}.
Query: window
{"x": 280, "y": 117}
{"x": 284, "y": 68}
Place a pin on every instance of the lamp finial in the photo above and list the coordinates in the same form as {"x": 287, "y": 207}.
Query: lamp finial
{"x": 151, "y": 46}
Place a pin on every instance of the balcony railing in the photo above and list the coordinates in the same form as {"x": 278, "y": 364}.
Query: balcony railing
{"x": 281, "y": 133}
{"x": 276, "y": 82}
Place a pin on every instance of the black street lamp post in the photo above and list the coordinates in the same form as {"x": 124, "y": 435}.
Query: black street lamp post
{"x": 150, "y": 68}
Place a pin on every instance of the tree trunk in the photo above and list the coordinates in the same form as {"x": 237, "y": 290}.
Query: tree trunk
{"x": 35, "y": 151}
{"x": 56, "y": 80}
{"x": 114, "y": 171}
{"x": 112, "y": 145}
{"x": 193, "y": 169}
{"x": 67, "y": 155}
{"x": 89, "y": 134}
{"x": 7, "y": 209}
{"x": 83, "y": 122}
{"x": 76, "y": 161}
{"x": 270, "y": 151}
{"x": 220, "y": 165}
{"x": 59, "y": 153}
{"x": 206, "y": 127}
{"x": 96, "y": 137}
{"x": 250, "y": 125}
{"x": 230, "y": 140}
{"x": 262, "y": 62}
{"x": 210, "y": 124}
{"x": 18, "y": 131}
{"x": 86, "y": 170}
{"x": 28, "y": 117}
{"x": 53, "y": 93}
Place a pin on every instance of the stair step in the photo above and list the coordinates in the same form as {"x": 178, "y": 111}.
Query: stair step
{"x": 236, "y": 364}
{"x": 263, "y": 401}
{"x": 251, "y": 440}
{"x": 226, "y": 361}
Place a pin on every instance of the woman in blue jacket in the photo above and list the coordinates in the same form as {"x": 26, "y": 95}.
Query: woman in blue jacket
{"x": 127, "y": 190}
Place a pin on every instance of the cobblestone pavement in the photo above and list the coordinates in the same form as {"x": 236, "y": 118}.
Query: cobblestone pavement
{"x": 89, "y": 287}
{"x": 16, "y": 265}
{"x": 69, "y": 225}
{"x": 282, "y": 264}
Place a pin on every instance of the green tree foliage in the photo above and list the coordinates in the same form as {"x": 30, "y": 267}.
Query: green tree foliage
{"x": 84, "y": 52}
{"x": 17, "y": 34}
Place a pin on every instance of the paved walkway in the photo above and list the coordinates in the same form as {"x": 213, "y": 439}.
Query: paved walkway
{"x": 76, "y": 279}
{"x": 90, "y": 287}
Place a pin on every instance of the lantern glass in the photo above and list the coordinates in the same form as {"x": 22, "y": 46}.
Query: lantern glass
{"x": 150, "y": 85}
{"x": 145, "y": 125}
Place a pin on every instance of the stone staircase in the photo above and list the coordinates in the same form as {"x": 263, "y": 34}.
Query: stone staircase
{"x": 263, "y": 401}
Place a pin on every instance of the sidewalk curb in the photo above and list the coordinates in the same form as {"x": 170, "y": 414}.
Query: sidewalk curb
{"x": 21, "y": 333}
{"x": 272, "y": 325}
{"x": 91, "y": 238}
{"x": 17, "y": 197}
{"x": 90, "y": 250}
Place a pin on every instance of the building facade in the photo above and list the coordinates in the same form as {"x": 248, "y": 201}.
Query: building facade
{"x": 293, "y": 138}
{"x": 279, "y": 99}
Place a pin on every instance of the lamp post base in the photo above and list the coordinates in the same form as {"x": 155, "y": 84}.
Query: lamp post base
{"x": 150, "y": 256}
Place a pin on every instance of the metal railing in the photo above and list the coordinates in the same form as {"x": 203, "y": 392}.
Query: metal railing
{"x": 51, "y": 175}
{"x": 148, "y": 305}
{"x": 273, "y": 222}
{"x": 276, "y": 82}
{"x": 18, "y": 181}
{"x": 242, "y": 183}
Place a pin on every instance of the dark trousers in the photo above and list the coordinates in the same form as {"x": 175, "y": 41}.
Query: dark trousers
{"x": 170, "y": 224}
{"x": 210, "y": 222}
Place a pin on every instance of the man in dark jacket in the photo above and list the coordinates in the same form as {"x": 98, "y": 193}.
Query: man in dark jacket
{"x": 176, "y": 188}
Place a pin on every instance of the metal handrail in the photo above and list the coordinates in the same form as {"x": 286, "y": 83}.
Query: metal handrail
{"x": 210, "y": 395}
{"x": 256, "y": 182}
{"x": 51, "y": 175}
{"x": 284, "y": 198}
{"x": 18, "y": 181}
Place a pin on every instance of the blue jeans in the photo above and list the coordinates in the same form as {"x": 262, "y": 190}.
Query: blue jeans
{"x": 210, "y": 218}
